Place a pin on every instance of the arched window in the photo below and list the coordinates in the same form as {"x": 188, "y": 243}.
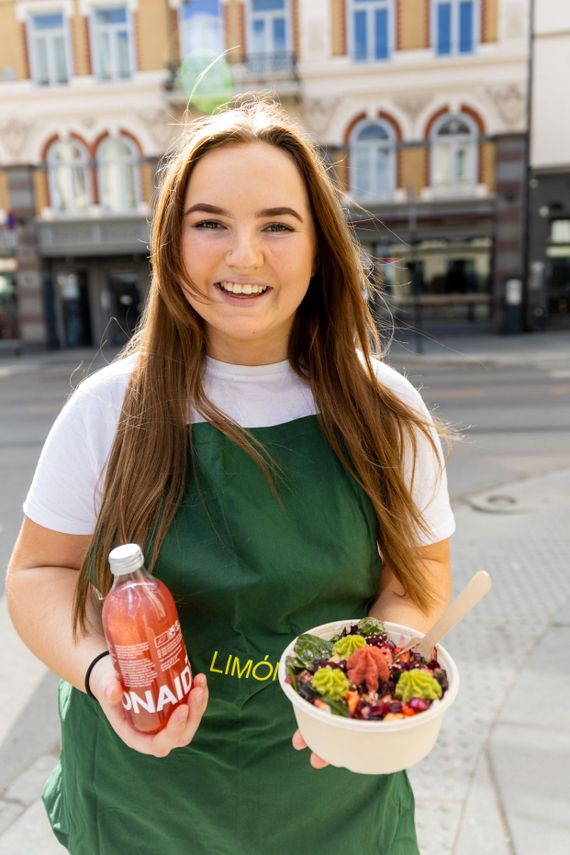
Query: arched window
{"x": 68, "y": 176}
{"x": 373, "y": 161}
{"x": 454, "y": 149}
{"x": 117, "y": 170}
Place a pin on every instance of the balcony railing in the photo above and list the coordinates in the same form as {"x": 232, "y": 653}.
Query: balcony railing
{"x": 277, "y": 68}
{"x": 271, "y": 63}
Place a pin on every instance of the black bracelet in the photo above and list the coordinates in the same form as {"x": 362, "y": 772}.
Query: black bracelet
{"x": 88, "y": 674}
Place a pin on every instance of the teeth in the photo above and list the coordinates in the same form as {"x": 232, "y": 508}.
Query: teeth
{"x": 238, "y": 288}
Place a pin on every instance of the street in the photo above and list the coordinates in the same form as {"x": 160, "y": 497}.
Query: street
{"x": 514, "y": 416}
{"x": 514, "y": 420}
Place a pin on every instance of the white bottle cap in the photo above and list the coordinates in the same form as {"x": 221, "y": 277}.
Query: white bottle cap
{"x": 125, "y": 559}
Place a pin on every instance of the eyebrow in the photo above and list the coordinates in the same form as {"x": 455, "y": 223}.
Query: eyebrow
{"x": 267, "y": 212}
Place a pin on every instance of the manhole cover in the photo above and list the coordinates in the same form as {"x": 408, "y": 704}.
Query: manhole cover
{"x": 497, "y": 503}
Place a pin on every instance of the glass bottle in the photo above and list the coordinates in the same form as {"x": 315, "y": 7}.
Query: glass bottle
{"x": 141, "y": 625}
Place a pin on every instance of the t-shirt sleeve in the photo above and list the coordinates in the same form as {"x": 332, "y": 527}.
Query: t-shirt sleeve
{"x": 427, "y": 474}
{"x": 66, "y": 489}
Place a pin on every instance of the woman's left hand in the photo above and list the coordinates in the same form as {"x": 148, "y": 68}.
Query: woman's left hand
{"x": 299, "y": 743}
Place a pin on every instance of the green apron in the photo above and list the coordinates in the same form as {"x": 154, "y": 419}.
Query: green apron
{"x": 248, "y": 573}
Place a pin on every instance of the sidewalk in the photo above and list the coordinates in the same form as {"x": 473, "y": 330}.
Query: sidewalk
{"x": 444, "y": 349}
{"x": 497, "y": 782}
{"x": 439, "y": 348}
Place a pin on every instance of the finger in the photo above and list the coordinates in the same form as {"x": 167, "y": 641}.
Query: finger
{"x": 298, "y": 741}
{"x": 197, "y": 702}
{"x": 112, "y": 691}
{"x": 179, "y": 730}
{"x": 184, "y": 721}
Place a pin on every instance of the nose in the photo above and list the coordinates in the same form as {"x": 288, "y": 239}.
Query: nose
{"x": 245, "y": 252}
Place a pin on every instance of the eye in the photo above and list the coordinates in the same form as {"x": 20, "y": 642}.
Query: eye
{"x": 279, "y": 227}
{"x": 207, "y": 224}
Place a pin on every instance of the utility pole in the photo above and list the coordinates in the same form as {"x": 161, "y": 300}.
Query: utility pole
{"x": 524, "y": 319}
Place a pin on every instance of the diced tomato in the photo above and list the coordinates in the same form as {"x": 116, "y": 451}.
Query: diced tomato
{"x": 407, "y": 709}
{"x": 352, "y": 699}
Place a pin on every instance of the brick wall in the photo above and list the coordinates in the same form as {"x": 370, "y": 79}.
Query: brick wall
{"x": 413, "y": 168}
{"x": 412, "y": 22}
{"x": 489, "y": 20}
{"x": 40, "y": 190}
{"x": 151, "y": 35}
{"x": 338, "y": 27}
{"x": 234, "y": 27}
{"x": 487, "y": 161}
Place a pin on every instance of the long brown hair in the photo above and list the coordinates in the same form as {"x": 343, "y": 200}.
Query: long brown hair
{"x": 365, "y": 423}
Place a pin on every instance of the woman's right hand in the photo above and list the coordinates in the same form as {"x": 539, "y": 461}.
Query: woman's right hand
{"x": 181, "y": 726}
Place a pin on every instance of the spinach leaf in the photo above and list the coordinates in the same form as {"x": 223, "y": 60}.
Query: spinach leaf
{"x": 291, "y": 665}
{"x": 371, "y": 626}
{"x": 310, "y": 648}
{"x": 337, "y": 707}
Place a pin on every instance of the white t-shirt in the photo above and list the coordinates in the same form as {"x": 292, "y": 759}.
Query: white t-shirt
{"x": 65, "y": 494}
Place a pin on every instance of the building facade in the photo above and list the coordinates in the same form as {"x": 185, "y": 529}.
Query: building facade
{"x": 548, "y": 298}
{"x": 419, "y": 107}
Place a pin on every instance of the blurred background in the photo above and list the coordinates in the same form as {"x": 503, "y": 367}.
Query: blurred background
{"x": 446, "y": 124}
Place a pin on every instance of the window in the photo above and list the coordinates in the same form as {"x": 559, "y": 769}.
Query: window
{"x": 201, "y": 27}
{"x": 560, "y": 231}
{"x": 8, "y": 307}
{"x": 68, "y": 176}
{"x": 117, "y": 170}
{"x": 455, "y": 26}
{"x": 49, "y": 48}
{"x": 558, "y": 266}
{"x": 454, "y": 151}
{"x": 269, "y": 35}
{"x": 112, "y": 43}
{"x": 370, "y": 27}
{"x": 373, "y": 161}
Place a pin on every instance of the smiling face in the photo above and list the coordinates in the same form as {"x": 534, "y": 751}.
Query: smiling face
{"x": 248, "y": 246}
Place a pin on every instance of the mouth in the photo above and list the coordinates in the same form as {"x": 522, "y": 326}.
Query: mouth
{"x": 242, "y": 290}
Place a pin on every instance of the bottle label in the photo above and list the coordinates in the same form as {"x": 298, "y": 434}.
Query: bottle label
{"x": 153, "y": 702}
{"x": 155, "y": 673}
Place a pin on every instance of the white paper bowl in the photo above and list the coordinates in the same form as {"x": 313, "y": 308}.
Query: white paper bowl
{"x": 370, "y": 747}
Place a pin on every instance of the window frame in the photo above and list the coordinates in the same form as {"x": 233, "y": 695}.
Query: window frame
{"x": 454, "y": 190}
{"x": 455, "y": 28}
{"x": 182, "y": 29}
{"x": 393, "y": 155}
{"x": 94, "y": 27}
{"x": 32, "y": 38}
{"x": 136, "y": 163}
{"x": 84, "y": 164}
{"x": 354, "y": 6}
{"x": 269, "y": 15}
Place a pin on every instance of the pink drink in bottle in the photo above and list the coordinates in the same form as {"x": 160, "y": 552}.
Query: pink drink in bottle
{"x": 143, "y": 632}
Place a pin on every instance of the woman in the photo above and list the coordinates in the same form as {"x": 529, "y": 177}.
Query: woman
{"x": 265, "y": 460}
